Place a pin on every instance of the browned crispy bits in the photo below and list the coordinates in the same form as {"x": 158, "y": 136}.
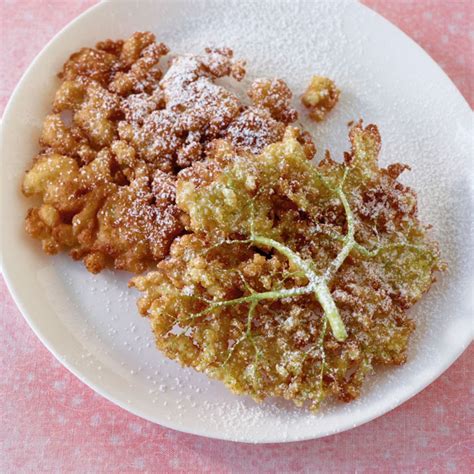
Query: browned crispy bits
{"x": 90, "y": 64}
{"x": 254, "y": 129}
{"x": 275, "y": 96}
{"x": 143, "y": 74}
{"x": 119, "y": 132}
{"x": 99, "y": 199}
{"x": 320, "y": 97}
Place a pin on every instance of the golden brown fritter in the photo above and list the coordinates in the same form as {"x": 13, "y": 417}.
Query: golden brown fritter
{"x": 119, "y": 132}
{"x": 320, "y": 97}
{"x": 295, "y": 280}
{"x": 87, "y": 210}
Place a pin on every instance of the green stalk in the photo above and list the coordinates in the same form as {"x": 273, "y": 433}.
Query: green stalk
{"x": 290, "y": 255}
{"x": 254, "y": 298}
{"x": 331, "y": 312}
{"x": 316, "y": 283}
{"x": 349, "y": 241}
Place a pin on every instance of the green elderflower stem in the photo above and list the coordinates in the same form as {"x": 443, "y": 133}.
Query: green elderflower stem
{"x": 317, "y": 285}
{"x": 323, "y": 295}
{"x": 247, "y": 334}
{"x": 289, "y": 254}
{"x": 252, "y": 298}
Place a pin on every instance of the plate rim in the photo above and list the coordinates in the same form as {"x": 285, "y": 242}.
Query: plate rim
{"x": 106, "y": 392}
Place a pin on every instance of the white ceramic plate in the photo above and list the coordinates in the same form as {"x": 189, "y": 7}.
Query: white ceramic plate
{"x": 90, "y": 323}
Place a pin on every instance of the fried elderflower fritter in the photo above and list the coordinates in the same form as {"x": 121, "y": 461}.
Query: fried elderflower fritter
{"x": 295, "y": 279}
{"x": 119, "y": 132}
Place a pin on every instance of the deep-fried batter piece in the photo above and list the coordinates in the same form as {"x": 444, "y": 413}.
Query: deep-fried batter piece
{"x": 98, "y": 199}
{"x": 196, "y": 111}
{"x": 118, "y": 134}
{"x": 296, "y": 279}
{"x": 275, "y": 96}
{"x": 86, "y": 209}
{"x": 320, "y": 97}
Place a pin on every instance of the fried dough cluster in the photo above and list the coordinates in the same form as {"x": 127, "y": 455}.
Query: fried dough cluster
{"x": 294, "y": 280}
{"x": 119, "y": 132}
{"x": 274, "y": 276}
{"x": 320, "y": 97}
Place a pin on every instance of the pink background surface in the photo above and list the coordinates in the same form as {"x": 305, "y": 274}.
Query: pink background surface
{"x": 51, "y": 422}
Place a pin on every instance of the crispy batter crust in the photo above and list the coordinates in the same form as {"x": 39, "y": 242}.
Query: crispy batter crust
{"x": 281, "y": 346}
{"x": 119, "y": 132}
{"x": 320, "y": 97}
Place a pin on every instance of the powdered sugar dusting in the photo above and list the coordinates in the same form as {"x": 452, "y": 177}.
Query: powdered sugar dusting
{"x": 421, "y": 123}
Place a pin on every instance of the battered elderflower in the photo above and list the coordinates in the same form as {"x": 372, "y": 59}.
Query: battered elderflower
{"x": 298, "y": 277}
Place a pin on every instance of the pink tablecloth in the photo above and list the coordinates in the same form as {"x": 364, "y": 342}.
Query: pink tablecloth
{"x": 51, "y": 422}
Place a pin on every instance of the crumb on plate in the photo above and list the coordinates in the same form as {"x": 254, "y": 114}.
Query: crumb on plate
{"x": 320, "y": 97}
